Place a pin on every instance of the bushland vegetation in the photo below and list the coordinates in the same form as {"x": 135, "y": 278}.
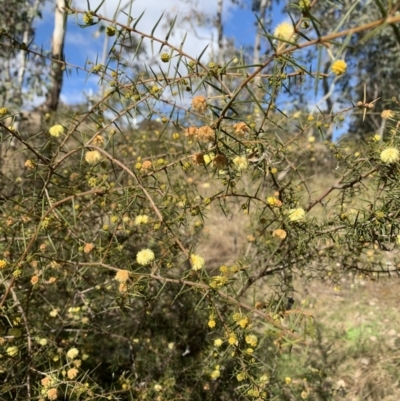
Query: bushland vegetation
{"x": 185, "y": 256}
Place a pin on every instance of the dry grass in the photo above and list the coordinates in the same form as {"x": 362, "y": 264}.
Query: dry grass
{"x": 357, "y": 339}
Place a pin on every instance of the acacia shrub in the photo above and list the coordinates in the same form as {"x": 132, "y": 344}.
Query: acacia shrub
{"x": 105, "y": 292}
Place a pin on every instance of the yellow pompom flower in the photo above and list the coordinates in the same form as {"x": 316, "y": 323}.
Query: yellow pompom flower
{"x": 196, "y": 261}
{"x": 251, "y": 339}
{"x": 145, "y": 257}
{"x": 72, "y": 373}
{"x": 386, "y": 114}
{"x": 274, "y": 202}
{"x": 110, "y": 31}
{"x": 304, "y": 4}
{"x": 296, "y": 214}
{"x": 208, "y": 158}
{"x": 141, "y": 219}
{"x": 147, "y": 165}
{"x": 92, "y": 156}
{"x": 46, "y": 381}
{"x": 339, "y": 67}
{"x": 284, "y": 31}
{"x": 88, "y": 18}
{"x": 199, "y": 104}
{"x": 52, "y": 394}
{"x": 29, "y": 164}
{"x": 232, "y": 339}
{"x": 12, "y": 351}
{"x": 241, "y": 163}
{"x": 98, "y": 140}
{"x": 3, "y": 264}
{"x": 211, "y": 323}
{"x": 279, "y": 233}
{"x": 215, "y": 374}
{"x": 218, "y": 342}
{"x": 56, "y": 130}
{"x": 3, "y": 111}
{"x": 72, "y": 353}
{"x": 165, "y": 57}
{"x": 390, "y": 155}
{"x": 122, "y": 276}
{"x": 241, "y": 376}
{"x": 241, "y": 128}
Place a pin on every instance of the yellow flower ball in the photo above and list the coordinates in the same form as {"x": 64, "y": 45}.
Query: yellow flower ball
{"x": 199, "y": 104}
{"x": 211, "y": 323}
{"x": 251, "y": 339}
{"x": 339, "y": 67}
{"x": 215, "y": 374}
{"x": 72, "y": 373}
{"x": 241, "y": 376}
{"x": 52, "y": 394}
{"x": 232, "y": 339}
{"x": 72, "y": 353}
{"x": 12, "y": 351}
{"x": 296, "y": 214}
{"x": 56, "y": 130}
{"x": 110, "y": 31}
{"x": 122, "y": 276}
{"x": 284, "y": 31}
{"x": 196, "y": 261}
{"x": 386, "y": 114}
{"x": 243, "y": 323}
{"x": 141, "y": 219}
{"x": 145, "y": 257}
{"x": 390, "y": 155}
{"x": 92, "y": 156}
{"x": 88, "y": 18}
{"x": 241, "y": 163}
{"x": 279, "y": 233}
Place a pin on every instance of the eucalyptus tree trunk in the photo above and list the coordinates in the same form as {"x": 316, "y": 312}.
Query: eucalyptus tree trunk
{"x": 220, "y": 30}
{"x": 13, "y": 153}
{"x": 57, "y": 53}
{"x": 26, "y": 37}
{"x": 257, "y": 42}
{"x": 257, "y": 39}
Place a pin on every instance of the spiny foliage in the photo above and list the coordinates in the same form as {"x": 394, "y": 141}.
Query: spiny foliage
{"x": 107, "y": 294}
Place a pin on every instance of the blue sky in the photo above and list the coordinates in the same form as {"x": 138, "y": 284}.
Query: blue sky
{"x": 83, "y": 44}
